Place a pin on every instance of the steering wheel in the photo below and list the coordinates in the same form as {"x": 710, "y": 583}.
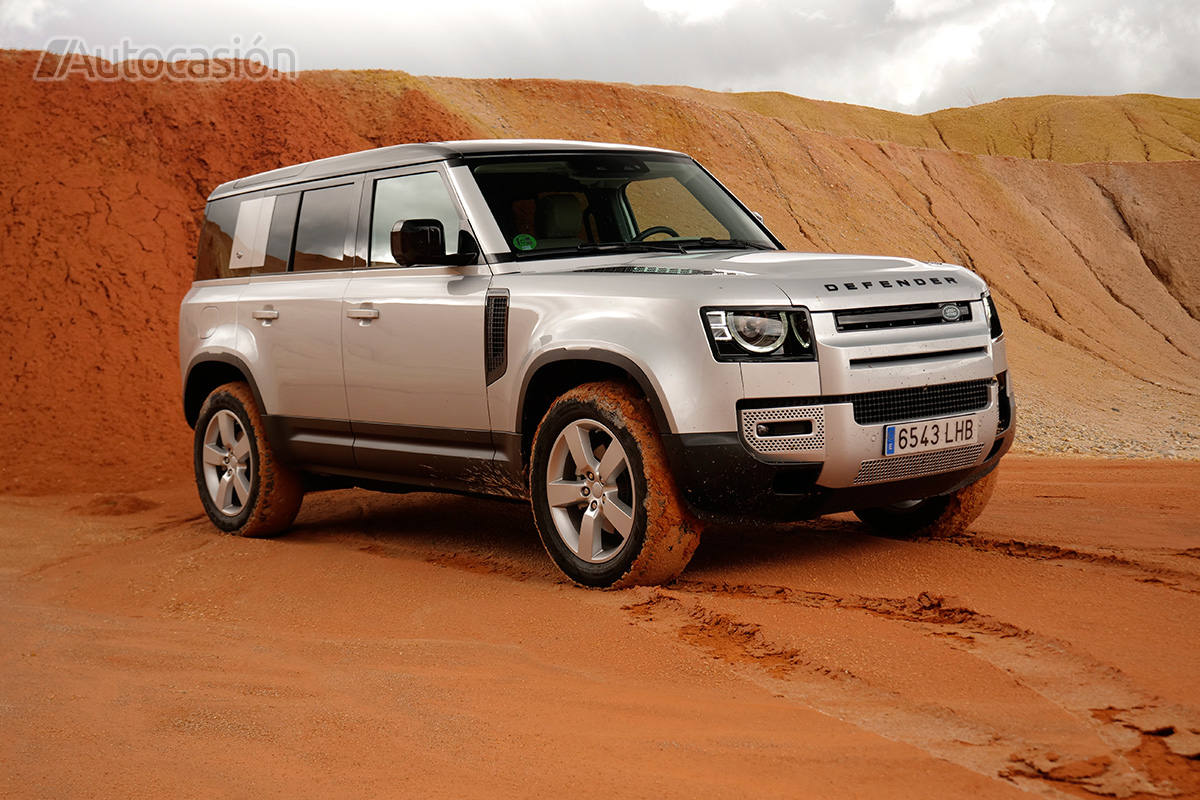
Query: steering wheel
{"x": 653, "y": 229}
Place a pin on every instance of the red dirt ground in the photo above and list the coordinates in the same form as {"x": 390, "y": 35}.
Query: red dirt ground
{"x": 389, "y": 647}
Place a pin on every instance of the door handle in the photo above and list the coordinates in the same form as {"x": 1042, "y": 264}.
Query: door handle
{"x": 265, "y": 313}
{"x": 363, "y": 313}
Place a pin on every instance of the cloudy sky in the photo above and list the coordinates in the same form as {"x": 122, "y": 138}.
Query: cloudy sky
{"x": 906, "y": 55}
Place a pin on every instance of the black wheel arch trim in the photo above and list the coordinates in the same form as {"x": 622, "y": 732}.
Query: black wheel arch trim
{"x": 608, "y": 357}
{"x": 229, "y": 359}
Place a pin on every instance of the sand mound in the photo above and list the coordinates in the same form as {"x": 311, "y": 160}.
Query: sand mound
{"x": 1093, "y": 264}
{"x": 1132, "y": 127}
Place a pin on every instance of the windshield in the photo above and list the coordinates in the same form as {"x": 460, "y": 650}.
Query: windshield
{"x": 564, "y": 204}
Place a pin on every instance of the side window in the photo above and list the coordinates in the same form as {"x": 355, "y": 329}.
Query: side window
{"x": 279, "y": 238}
{"x": 321, "y": 230}
{"x": 666, "y": 201}
{"x": 420, "y": 196}
{"x": 216, "y": 239}
{"x": 250, "y": 235}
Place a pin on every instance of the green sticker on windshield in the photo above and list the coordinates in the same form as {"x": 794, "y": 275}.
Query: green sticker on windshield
{"x": 523, "y": 241}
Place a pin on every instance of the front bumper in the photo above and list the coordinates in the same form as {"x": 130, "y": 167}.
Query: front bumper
{"x": 836, "y": 466}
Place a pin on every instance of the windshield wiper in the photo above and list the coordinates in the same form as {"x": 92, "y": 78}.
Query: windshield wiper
{"x": 732, "y": 244}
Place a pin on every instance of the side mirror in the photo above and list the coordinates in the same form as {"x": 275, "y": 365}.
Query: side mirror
{"x": 423, "y": 241}
{"x": 418, "y": 241}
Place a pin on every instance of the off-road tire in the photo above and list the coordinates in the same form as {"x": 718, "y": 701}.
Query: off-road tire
{"x": 275, "y": 490}
{"x": 944, "y": 515}
{"x": 664, "y": 532}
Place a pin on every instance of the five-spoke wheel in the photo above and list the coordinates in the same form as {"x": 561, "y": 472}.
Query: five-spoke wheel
{"x": 590, "y": 491}
{"x": 606, "y": 506}
{"x": 227, "y": 466}
{"x": 244, "y": 487}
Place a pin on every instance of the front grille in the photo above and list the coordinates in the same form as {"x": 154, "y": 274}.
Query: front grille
{"x": 753, "y": 417}
{"x": 917, "y": 464}
{"x": 898, "y": 405}
{"x": 495, "y": 335}
{"x": 865, "y": 319}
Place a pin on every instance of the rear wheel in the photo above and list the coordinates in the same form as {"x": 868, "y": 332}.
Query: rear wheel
{"x": 604, "y": 500}
{"x": 243, "y": 486}
{"x": 944, "y": 515}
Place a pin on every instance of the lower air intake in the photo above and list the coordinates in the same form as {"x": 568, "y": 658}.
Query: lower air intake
{"x": 917, "y": 464}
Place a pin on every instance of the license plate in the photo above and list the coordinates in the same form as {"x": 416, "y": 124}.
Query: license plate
{"x": 938, "y": 434}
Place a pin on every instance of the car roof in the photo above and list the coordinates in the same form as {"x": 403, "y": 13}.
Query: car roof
{"x": 405, "y": 154}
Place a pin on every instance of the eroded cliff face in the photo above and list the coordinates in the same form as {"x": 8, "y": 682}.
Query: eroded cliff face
{"x": 1094, "y": 265}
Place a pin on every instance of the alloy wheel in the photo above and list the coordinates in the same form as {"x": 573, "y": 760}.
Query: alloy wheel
{"x": 227, "y": 462}
{"x": 590, "y": 491}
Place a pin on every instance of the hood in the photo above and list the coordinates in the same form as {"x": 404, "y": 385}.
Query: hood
{"x": 821, "y": 281}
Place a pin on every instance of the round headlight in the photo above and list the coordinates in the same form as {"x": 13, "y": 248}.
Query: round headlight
{"x": 758, "y": 331}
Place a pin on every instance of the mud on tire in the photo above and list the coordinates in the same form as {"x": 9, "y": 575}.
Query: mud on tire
{"x": 244, "y": 488}
{"x": 934, "y": 516}
{"x": 616, "y": 521}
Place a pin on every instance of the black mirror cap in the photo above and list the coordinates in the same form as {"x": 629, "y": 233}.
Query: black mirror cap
{"x": 418, "y": 241}
{"x": 423, "y": 241}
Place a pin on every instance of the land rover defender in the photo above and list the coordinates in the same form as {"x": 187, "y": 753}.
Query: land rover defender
{"x": 604, "y": 330}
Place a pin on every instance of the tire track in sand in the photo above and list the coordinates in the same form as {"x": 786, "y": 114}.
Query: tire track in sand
{"x": 1147, "y": 749}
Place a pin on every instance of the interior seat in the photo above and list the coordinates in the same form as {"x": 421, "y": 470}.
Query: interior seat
{"x": 557, "y": 220}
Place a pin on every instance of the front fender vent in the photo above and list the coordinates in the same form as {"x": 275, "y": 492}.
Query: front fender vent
{"x": 495, "y": 334}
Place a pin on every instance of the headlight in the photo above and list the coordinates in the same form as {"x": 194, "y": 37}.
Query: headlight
{"x": 758, "y": 331}
{"x": 760, "y": 334}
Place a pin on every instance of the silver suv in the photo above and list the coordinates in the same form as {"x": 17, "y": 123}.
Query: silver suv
{"x": 603, "y": 330}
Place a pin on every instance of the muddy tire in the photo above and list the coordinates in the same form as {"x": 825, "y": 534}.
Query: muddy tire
{"x": 244, "y": 488}
{"x": 934, "y": 516}
{"x": 605, "y": 502}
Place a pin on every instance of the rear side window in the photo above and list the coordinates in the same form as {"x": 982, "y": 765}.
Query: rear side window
{"x": 216, "y": 239}
{"x": 321, "y": 231}
{"x": 279, "y": 239}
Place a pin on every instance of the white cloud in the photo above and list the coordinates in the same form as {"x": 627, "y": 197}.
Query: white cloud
{"x": 26, "y": 14}
{"x": 926, "y": 9}
{"x": 690, "y": 12}
{"x": 924, "y": 68}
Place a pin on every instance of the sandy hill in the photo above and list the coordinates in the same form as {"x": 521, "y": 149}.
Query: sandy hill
{"x": 1094, "y": 264}
{"x": 1138, "y": 127}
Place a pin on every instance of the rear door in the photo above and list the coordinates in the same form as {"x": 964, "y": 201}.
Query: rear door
{"x": 412, "y": 340}
{"x": 292, "y": 311}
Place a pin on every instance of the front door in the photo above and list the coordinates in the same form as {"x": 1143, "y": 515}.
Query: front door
{"x": 412, "y": 342}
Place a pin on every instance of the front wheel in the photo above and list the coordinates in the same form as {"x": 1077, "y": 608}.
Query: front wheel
{"x": 243, "y": 486}
{"x": 944, "y": 515}
{"x": 604, "y": 500}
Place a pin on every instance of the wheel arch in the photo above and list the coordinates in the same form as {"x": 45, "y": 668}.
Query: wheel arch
{"x": 557, "y": 372}
{"x": 208, "y": 371}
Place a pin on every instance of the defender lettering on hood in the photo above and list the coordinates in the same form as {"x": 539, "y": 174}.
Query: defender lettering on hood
{"x": 898, "y": 283}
